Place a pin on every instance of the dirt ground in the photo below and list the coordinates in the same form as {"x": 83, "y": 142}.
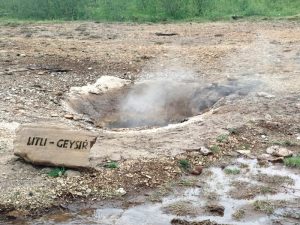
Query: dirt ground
{"x": 39, "y": 63}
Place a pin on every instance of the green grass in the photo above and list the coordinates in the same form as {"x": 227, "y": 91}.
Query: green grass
{"x": 184, "y": 164}
{"x": 232, "y": 171}
{"x": 188, "y": 182}
{"x": 215, "y": 149}
{"x": 292, "y": 161}
{"x": 264, "y": 206}
{"x": 222, "y": 138}
{"x": 111, "y": 165}
{"x": 57, "y": 172}
{"x": 145, "y": 10}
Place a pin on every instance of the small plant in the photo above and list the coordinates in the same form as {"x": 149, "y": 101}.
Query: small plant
{"x": 233, "y": 130}
{"x": 222, "y": 138}
{"x": 57, "y": 172}
{"x": 181, "y": 208}
{"x": 184, "y": 164}
{"x": 188, "y": 182}
{"x": 239, "y": 214}
{"x": 266, "y": 190}
{"x": 111, "y": 165}
{"x": 292, "y": 161}
{"x": 232, "y": 171}
{"x": 215, "y": 149}
{"x": 264, "y": 206}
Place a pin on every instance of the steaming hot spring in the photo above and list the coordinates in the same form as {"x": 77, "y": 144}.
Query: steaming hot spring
{"x": 118, "y": 103}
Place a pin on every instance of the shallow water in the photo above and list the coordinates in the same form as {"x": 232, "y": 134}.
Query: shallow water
{"x": 218, "y": 182}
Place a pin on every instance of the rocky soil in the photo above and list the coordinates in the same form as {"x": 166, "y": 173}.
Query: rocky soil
{"x": 39, "y": 63}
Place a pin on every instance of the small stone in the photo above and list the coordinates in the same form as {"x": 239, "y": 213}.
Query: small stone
{"x": 72, "y": 173}
{"x": 197, "y": 170}
{"x": 283, "y": 152}
{"x": 54, "y": 115}
{"x": 205, "y": 151}
{"x": 41, "y": 73}
{"x": 264, "y": 157}
{"x": 244, "y": 152}
{"x": 276, "y": 160}
{"x": 216, "y": 209}
{"x": 121, "y": 192}
{"x": 115, "y": 157}
{"x": 88, "y": 191}
{"x": 279, "y": 151}
{"x": 265, "y": 95}
{"x": 69, "y": 116}
{"x": 270, "y": 150}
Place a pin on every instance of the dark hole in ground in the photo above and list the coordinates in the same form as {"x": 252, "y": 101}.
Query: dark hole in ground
{"x": 154, "y": 103}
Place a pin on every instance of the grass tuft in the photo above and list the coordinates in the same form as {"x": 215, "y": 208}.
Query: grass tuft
{"x": 232, "y": 171}
{"x": 264, "y": 206}
{"x": 57, "y": 172}
{"x": 111, "y": 165}
{"x": 184, "y": 164}
{"x": 222, "y": 138}
{"x": 292, "y": 161}
{"x": 215, "y": 149}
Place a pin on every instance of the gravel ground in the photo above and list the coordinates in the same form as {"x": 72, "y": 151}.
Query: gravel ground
{"x": 40, "y": 62}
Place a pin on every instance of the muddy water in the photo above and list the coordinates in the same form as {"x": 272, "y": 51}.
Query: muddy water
{"x": 214, "y": 181}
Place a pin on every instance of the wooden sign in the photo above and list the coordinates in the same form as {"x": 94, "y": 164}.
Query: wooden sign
{"x": 53, "y": 145}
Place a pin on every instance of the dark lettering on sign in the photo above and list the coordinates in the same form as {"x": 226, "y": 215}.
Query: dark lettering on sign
{"x": 72, "y": 144}
{"x": 84, "y": 145}
{"x": 37, "y": 141}
{"x": 61, "y": 143}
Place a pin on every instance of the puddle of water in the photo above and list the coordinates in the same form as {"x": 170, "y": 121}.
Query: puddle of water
{"x": 218, "y": 182}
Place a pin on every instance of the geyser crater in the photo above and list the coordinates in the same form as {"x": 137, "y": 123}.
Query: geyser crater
{"x": 117, "y": 103}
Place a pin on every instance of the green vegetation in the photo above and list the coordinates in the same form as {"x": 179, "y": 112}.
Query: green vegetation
{"x": 222, "y": 138}
{"x": 292, "y": 161}
{"x": 188, "y": 182}
{"x": 145, "y": 10}
{"x": 233, "y": 130}
{"x": 264, "y": 206}
{"x": 181, "y": 208}
{"x": 239, "y": 214}
{"x": 111, "y": 165}
{"x": 232, "y": 171}
{"x": 184, "y": 164}
{"x": 57, "y": 172}
{"x": 215, "y": 149}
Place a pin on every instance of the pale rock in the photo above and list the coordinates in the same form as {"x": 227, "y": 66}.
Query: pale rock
{"x": 115, "y": 157}
{"x": 121, "y": 191}
{"x": 265, "y": 95}
{"x": 244, "y": 152}
{"x": 72, "y": 173}
{"x": 69, "y": 116}
{"x": 205, "y": 151}
{"x": 55, "y": 145}
{"x": 279, "y": 151}
{"x": 264, "y": 157}
{"x": 102, "y": 85}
